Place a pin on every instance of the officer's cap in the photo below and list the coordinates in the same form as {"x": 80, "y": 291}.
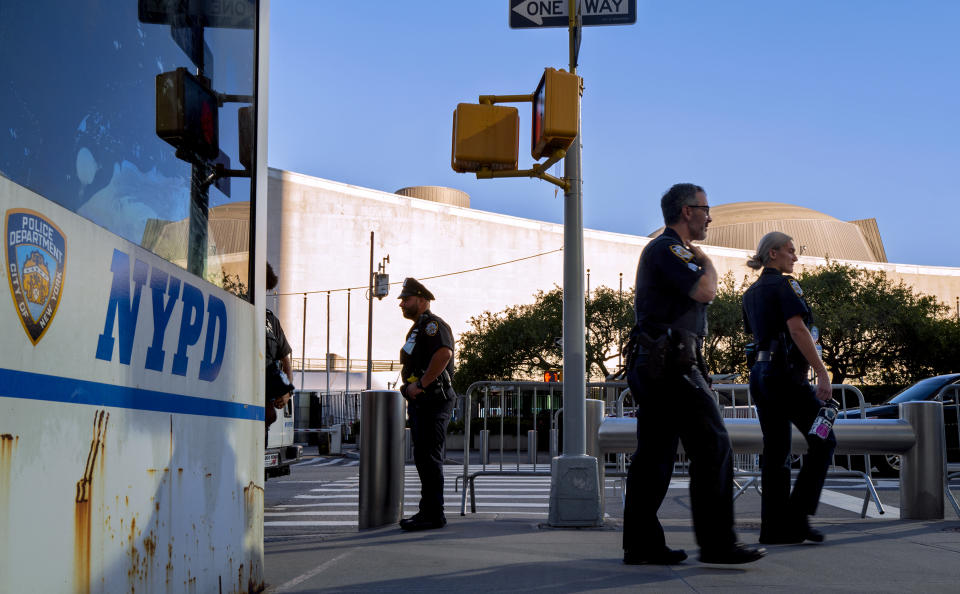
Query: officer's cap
{"x": 412, "y": 286}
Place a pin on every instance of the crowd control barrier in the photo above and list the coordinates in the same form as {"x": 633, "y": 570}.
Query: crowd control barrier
{"x": 950, "y": 397}
{"x": 382, "y": 421}
{"x": 917, "y": 436}
{"x": 500, "y": 400}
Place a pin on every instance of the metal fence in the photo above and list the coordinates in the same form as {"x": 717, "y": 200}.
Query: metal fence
{"x": 950, "y": 397}
{"x": 504, "y": 409}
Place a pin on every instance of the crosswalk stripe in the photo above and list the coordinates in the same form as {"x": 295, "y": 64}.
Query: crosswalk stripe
{"x": 296, "y": 505}
{"x": 312, "y": 513}
{"x": 330, "y": 523}
{"x": 855, "y": 504}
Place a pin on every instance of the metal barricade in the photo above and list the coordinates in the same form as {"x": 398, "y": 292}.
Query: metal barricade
{"x": 736, "y": 402}
{"x": 502, "y": 400}
{"x": 916, "y": 436}
{"x": 339, "y": 408}
{"x": 950, "y": 397}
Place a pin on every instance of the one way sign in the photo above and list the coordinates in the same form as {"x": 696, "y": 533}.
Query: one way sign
{"x": 553, "y": 13}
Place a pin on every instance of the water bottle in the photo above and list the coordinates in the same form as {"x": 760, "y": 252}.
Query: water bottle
{"x": 825, "y": 418}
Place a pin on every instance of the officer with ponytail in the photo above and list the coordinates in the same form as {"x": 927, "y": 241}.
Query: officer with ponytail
{"x": 776, "y": 313}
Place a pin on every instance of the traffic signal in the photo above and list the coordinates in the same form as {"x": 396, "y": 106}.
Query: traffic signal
{"x": 485, "y": 136}
{"x": 556, "y": 112}
{"x": 187, "y": 114}
{"x": 245, "y": 132}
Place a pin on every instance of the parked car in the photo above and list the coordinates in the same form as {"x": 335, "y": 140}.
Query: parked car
{"x": 936, "y": 388}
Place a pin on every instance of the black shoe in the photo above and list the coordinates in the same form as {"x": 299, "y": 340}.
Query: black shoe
{"x": 796, "y": 536}
{"x": 737, "y": 553}
{"x": 779, "y": 538}
{"x": 665, "y": 556}
{"x": 404, "y": 523}
{"x": 420, "y": 522}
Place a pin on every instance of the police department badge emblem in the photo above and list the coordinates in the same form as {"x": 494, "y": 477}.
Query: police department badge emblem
{"x": 681, "y": 252}
{"x": 36, "y": 256}
{"x": 796, "y": 288}
{"x": 431, "y": 328}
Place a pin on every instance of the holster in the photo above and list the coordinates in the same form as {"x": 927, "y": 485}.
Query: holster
{"x": 440, "y": 390}
{"x": 673, "y": 351}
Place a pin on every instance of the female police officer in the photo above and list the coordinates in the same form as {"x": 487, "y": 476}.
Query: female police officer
{"x": 776, "y": 313}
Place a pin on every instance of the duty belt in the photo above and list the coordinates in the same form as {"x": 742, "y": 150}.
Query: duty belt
{"x": 764, "y": 356}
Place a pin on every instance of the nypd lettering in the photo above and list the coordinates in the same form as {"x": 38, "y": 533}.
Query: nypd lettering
{"x": 36, "y": 260}
{"x": 166, "y": 292}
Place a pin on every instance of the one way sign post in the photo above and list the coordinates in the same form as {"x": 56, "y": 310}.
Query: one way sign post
{"x": 525, "y": 14}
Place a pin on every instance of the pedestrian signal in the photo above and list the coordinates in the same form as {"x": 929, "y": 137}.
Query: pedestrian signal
{"x": 485, "y": 136}
{"x": 556, "y": 112}
{"x": 188, "y": 114}
{"x": 553, "y": 376}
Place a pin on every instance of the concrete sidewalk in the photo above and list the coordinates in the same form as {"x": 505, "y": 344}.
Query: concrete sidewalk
{"x": 490, "y": 553}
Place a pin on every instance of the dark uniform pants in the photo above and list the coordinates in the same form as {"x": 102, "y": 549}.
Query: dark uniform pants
{"x": 780, "y": 403}
{"x": 669, "y": 410}
{"x": 428, "y": 428}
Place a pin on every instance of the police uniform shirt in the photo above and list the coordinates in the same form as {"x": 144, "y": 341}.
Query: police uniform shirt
{"x": 769, "y": 303}
{"x": 277, "y": 346}
{"x": 424, "y": 338}
{"x": 666, "y": 274}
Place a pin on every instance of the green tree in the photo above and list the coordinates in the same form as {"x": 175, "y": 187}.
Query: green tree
{"x": 872, "y": 330}
{"x": 870, "y": 327}
{"x": 230, "y": 282}
{"x": 523, "y": 341}
{"x": 726, "y": 339}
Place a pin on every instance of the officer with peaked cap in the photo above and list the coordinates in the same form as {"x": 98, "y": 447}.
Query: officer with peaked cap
{"x": 427, "y": 360}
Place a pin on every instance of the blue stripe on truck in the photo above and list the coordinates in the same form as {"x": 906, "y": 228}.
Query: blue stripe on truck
{"x": 50, "y": 388}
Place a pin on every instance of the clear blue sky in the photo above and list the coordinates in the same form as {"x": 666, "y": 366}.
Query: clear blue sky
{"x": 851, "y": 108}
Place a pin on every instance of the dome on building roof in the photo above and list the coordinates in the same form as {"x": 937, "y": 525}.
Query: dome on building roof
{"x": 742, "y": 224}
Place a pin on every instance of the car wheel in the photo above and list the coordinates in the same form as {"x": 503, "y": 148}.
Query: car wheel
{"x": 887, "y": 465}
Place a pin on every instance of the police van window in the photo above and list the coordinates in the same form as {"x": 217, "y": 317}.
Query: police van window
{"x": 80, "y": 126}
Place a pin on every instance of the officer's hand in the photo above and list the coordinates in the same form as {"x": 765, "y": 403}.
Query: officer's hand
{"x": 824, "y": 389}
{"x": 698, "y": 255}
{"x": 412, "y": 391}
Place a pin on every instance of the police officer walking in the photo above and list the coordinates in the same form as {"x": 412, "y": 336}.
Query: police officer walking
{"x": 779, "y": 318}
{"x": 675, "y": 282}
{"x": 427, "y": 360}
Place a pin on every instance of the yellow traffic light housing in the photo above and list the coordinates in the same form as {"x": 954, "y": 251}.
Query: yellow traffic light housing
{"x": 485, "y": 137}
{"x": 556, "y": 112}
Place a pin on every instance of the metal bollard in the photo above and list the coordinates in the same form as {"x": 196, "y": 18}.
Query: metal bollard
{"x": 554, "y": 449}
{"x": 532, "y": 445}
{"x": 594, "y": 417}
{"x": 922, "y": 466}
{"x": 381, "y": 458}
{"x": 484, "y": 446}
{"x": 336, "y": 440}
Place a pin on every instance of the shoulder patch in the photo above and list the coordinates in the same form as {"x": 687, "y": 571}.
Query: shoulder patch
{"x": 681, "y": 252}
{"x": 796, "y": 287}
{"x": 431, "y": 328}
